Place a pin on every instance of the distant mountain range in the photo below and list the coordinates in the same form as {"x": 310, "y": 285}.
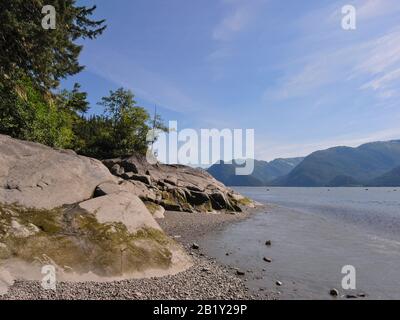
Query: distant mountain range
{"x": 263, "y": 174}
{"x": 371, "y": 164}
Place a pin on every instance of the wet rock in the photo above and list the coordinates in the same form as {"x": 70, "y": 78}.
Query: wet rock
{"x": 197, "y": 198}
{"x": 129, "y": 165}
{"x": 146, "y": 179}
{"x": 127, "y": 175}
{"x": 218, "y": 201}
{"x": 266, "y": 259}
{"x": 172, "y": 181}
{"x": 170, "y": 206}
{"x": 268, "y": 243}
{"x": 334, "y": 292}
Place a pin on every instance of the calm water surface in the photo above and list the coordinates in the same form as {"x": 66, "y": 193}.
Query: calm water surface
{"x": 314, "y": 233}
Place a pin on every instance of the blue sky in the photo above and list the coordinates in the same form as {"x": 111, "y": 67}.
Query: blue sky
{"x": 283, "y": 67}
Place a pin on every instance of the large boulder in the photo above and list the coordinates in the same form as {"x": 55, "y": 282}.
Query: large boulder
{"x": 122, "y": 207}
{"x": 34, "y": 175}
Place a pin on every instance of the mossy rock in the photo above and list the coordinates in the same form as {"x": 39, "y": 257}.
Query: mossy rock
{"x": 244, "y": 201}
{"x": 72, "y": 237}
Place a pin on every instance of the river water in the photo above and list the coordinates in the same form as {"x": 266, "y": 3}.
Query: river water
{"x": 314, "y": 233}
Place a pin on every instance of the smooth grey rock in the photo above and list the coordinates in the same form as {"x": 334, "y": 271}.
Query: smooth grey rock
{"x": 121, "y": 207}
{"x": 34, "y": 175}
{"x": 106, "y": 188}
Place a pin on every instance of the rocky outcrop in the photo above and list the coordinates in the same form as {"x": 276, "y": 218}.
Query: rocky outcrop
{"x": 79, "y": 214}
{"x": 34, "y": 175}
{"x": 59, "y": 208}
{"x": 175, "y": 187}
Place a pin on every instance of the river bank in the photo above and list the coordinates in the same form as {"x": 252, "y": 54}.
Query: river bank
{"x": 206, "y": 279}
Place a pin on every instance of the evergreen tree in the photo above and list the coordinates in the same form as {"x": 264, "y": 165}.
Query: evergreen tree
{"x": 45, "y": 56}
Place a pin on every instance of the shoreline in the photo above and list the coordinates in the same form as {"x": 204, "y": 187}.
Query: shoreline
{"x": 205, "y": 279}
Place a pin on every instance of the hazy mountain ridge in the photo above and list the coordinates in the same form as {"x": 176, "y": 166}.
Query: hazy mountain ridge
{"x": 389, "y": 179}
{"x": 264, "y": 172}
{"x": 370, "y": 164}
{"x": 344, "y": 166}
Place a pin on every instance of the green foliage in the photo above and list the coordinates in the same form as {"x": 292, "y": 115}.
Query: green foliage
{"x": 45, "y": 56}
{"x": 129, "y": 122}
{"x": 27, "y": 114}
{"x": 120, "y": 131}
{"x": 33, "y": 61}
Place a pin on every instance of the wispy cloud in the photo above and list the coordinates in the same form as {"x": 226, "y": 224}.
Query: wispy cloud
{"x": 240, "y": 14}
{"x": 375, "y": 63}
{"x": 147, "y": 84}
{"x": 368, "y": 9}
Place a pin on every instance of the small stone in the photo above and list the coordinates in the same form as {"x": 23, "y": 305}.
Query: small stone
{"x": 334, "y": 292}
{"x": 362, "y": 295}
{"x": 227, "y": 254}
{"x": 351, "y": 296}
{"x": 195, "y": 246}
{"x": 278, "y": 283}
{"x": 267, "y": 259}
{"x": 240, "y": 273}
{"x": 268, "y": 242}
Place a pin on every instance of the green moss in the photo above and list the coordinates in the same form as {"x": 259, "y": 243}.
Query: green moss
{"x": 151, "y": 206}
{"x": 73, "y": 237}
{"x": 244, "y": 201}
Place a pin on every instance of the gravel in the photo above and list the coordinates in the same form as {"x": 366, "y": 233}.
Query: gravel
{"x": 206, "y": 279}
